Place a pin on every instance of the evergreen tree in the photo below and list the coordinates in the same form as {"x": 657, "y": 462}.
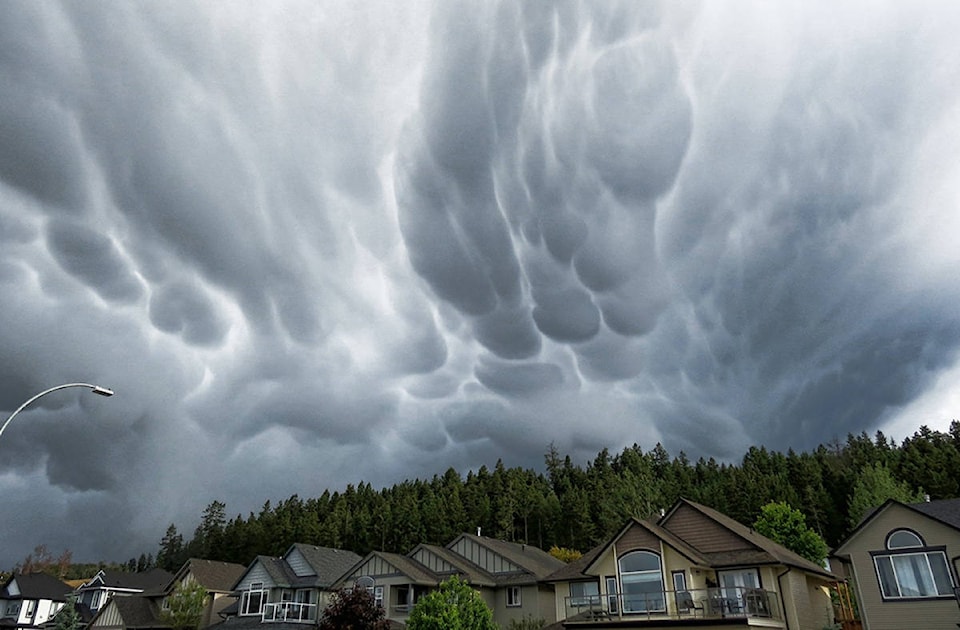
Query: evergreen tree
{"x": 68, "y": 618}
{"x": 171, "y": 555}
{"x": 875, "y": 484}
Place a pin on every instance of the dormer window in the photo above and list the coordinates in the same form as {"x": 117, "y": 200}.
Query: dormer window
{"x": 908, "y": 569}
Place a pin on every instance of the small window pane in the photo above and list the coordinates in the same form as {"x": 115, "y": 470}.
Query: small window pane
{"x": 902, "y": 539}
{"x": 639, "y": 561}
{"x": 888, "y": 580}
{"x": 941, "y": 574}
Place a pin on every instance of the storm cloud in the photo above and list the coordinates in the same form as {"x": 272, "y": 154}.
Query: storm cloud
{"x": 310, "y": 244}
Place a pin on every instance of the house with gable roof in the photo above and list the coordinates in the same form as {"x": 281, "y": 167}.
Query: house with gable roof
{"x": 904, "y": 562}
{"x": 28, "y": 600}
{"x": 109, "y": 582}
{"x": 507, "y": 576}
{"x": 292, "y": 589}
{"x": 693, "y": 567}
{"x": 144, "y": 610}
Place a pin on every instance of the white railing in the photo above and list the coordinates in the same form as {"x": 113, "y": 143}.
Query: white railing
{"x": 294, "y": 612}
{"x": 704, "y": 603}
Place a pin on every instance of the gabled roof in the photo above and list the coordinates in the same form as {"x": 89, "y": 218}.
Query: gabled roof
{"x": 530, "y": 558}
{"x": 416, "y": 572}
{"x": 213, "y": 575}
{"x": 762, "y": 550}
{"x": 137, "y": 612}
{"x": 944, "y": 511}
{"x": 36, "y": 586}
{"x": 328, "y": 564}
{"x": 153, "y": 579}
{"x": 473, "y": 574}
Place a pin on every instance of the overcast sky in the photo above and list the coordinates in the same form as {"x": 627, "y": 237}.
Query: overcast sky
{"x": 314, "y": 243}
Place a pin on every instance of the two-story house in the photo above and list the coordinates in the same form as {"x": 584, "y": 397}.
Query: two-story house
{"x": 292, "y": 589}
{"x": 144, "y": 610}
{"x": 30, "y": 600}
{"x": 904, "y": 561}
{"x": 507, "y": 575}
{"x": 109, "y": 582}
{"x": 693, "y": 567}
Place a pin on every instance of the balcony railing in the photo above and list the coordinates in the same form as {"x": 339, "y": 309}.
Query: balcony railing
{"x": 709, "y": 603}
{"x": 293, "y": 612}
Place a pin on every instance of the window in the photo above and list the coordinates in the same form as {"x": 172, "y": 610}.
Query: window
{"x": 378, "y": 596}
{"x": 253, "y": 599}
{"x": 641, "y": 582}
{"x": 513, "y": 596}
{"x": 13, "y": 609}
{"x": 912, "y": 570}
{"x": 584, "y": 593}
{"x": 31, "y": 607}
{"x": 612, "y": 595}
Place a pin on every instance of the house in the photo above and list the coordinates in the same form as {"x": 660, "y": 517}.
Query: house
{"x": 903, "y": 562}
{"x": 30, "y": 600}
{"x": 292, "y": 589}
{"x": 217, "y": 578}
{"x": 144, "y": 610}
{"x": 507, "y": 575}
{"x": 693, "y": 567}
{"x": 109, "y": 582}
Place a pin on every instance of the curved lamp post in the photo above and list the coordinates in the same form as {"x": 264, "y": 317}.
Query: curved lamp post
{"x": 96, "y": 389}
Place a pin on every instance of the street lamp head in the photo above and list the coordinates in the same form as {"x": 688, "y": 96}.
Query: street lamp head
{"x": 103, "y": 391}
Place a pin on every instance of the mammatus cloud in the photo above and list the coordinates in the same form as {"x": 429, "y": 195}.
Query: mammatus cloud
{"x": 312, "y": 244}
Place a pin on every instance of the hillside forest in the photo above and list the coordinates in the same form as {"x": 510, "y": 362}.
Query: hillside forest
{"x": 575, "y": 507}
{"x": 568, "y": 506}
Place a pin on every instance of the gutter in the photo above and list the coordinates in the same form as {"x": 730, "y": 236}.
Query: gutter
{"x": 783, "y": 602}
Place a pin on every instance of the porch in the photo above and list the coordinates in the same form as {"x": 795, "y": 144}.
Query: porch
{"x": 730, "y": 606}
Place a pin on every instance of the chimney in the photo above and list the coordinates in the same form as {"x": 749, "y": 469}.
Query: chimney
{"x": 478, "y": 531}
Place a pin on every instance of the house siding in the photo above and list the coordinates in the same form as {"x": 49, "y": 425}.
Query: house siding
{"x": 483, "y": 557}
{"x": 299, "y": 564}
{"x": 637, "y": 537}
{"x": 433, "y": 562}
{"x": 256, "y": 574}
{"x": 701, "y": 532}
{"x": 108, "y": 619}
{"x": 877, "y": 614}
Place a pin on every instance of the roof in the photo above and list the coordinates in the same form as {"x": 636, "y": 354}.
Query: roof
{"x": 213, "y": 575}
{"x": 474, "y": 574}
{"x": 766, "y": 551}
{"x": 409, "y": 567}
{"x": 530, "y": 558}
{"x": 36, "y": 586}
{"x": 329, "y": 564}
{"x": 136, "y": 611}
{"x": 154, "y": 579}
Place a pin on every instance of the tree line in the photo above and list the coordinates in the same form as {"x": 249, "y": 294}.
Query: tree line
{"x": 574, "y": 506}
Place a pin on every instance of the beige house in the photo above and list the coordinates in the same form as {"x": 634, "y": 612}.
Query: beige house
{"x": 903, "y": 562}
{"x": 693, "y": 567}
{"x": 509, "y": 576}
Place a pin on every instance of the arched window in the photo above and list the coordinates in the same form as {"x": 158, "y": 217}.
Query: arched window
{"x": 641, "y": 582}
{"x": 903, "y": 539}
{"x": 908, "y": 569}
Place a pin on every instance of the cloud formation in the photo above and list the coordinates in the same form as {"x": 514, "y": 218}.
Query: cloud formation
{"x": 310, "y": 245}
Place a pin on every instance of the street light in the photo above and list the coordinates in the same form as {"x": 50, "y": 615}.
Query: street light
{"x": 96, "y": 389}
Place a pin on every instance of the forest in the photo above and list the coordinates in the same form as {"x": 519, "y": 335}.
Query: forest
{"x": 576, "y": 506}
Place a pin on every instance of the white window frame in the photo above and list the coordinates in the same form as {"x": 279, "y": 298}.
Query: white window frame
{"x": 514, "y": 597}
{"x": 911, "y": 560}
{"x": 640, "y": 576}
{"x": 247, "y": 595}
{"x": 378, "y": 596}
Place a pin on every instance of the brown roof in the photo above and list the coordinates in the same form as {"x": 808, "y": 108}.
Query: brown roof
{"x": 474, "y": 574}
{"x": 213, "y": 575}
{"x": 136, "y": 611}
{"x": 766, "y": 551}
{"x": 535, "y": 561}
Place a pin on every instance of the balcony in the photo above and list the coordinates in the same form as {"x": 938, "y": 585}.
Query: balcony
{"x": 750, "y": 604}
{"x": 290, "y": 612}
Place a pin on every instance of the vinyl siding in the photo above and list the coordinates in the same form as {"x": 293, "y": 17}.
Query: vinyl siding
{"x": 877, "y": 614}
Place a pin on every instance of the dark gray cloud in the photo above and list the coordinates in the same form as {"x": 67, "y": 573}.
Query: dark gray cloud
{"x": 348, "y": 242}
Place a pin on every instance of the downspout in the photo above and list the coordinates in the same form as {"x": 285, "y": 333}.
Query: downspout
{"x": 783, "y": 601}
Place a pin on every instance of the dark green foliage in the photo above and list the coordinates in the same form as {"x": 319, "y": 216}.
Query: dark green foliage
{"x": 781, "y": 523}
{"x": 453, "y": 606}
{"x": 354, "y": 610}
{"x": 577, "y": 506}
{"x": 527, "y": 623}
{"x": 68, "y": 618}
